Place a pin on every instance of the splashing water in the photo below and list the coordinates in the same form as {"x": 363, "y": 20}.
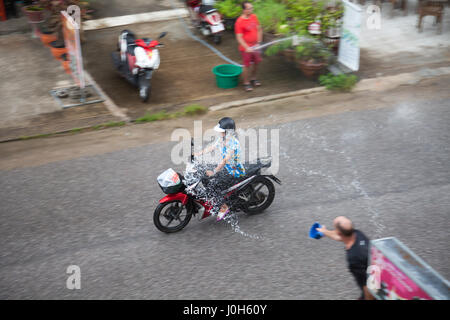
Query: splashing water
{"x": 315, "y": 139}
{"x": 193, "y": 174}
{"x": 232, "y": 219}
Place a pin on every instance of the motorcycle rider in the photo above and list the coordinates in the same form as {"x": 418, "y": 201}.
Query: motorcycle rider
{"x": 230, "y": 150}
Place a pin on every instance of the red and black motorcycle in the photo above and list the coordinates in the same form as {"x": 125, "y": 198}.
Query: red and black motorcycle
{"x": 186, "y": 196}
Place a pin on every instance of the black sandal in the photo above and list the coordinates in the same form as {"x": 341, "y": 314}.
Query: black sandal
{"x": 255, "y": 83}
{"x": 248, "y": 87}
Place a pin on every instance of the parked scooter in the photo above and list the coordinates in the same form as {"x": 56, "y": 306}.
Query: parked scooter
{"x": 137, "y": 59}
{"x": 206, "y": 18}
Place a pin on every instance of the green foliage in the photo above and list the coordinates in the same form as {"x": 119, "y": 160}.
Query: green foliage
{"x": 271, "y": 14}
{"x": 194, "y": 109}
{"x": 161, "y": 115}
{"x": 312, "y": 49}
{"x": 229, "y": 8}
{"x": 341, "y": 82}
{"x": 190, "y": 110}
{"x": 278, "y": 47}
{"x": 303, "y": 12}
{"x": 109, "y": 125}
{"x": 34, "y": 8}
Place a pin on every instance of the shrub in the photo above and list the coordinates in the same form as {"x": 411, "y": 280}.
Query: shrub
{"x": 271, "y": 14}
{"x": 229, "y": 8}
{"x": 312, "y": 50}
{"x": 341, "y": 82}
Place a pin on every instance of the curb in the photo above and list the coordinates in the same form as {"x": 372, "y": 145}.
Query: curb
{"x": 134, "y": 18}
{"x": 109, "y": 104}
{"x": 372, "y": 84}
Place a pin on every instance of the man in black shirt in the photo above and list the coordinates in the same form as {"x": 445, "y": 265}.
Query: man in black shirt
{"x": 357, "y": 249}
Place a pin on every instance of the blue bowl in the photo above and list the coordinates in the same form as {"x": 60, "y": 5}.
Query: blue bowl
{"x": 313, "y": 233}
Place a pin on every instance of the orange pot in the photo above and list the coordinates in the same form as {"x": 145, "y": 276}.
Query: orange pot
{"x": 47, "y": 38}
{"x": 58, "y": 52}
{"x": 66, "y": 66}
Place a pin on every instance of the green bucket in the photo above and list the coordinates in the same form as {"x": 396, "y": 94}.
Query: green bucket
{"x": 227, "y": 75}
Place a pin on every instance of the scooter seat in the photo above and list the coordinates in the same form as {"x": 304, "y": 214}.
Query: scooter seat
{"x": 207, "y": 9}
{"x": 130, "y": 48}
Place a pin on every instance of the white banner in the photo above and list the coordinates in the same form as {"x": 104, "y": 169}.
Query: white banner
{"x": 350, "y": 34}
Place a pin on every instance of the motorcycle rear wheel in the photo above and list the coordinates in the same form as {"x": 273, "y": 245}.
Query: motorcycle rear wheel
{"x": 263, "y": 194}
{"x": 170, "y": 211}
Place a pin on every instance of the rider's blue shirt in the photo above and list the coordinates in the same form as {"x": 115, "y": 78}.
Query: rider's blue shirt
{"x": 233, "y": 165}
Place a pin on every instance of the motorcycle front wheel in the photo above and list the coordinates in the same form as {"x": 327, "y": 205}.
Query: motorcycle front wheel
{"x": 171, "y": 216}
{"x": 217, "y": 38}
{"x": 144, "y": 93}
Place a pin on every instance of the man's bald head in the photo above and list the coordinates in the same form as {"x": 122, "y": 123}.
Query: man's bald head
{"x": 344, "y": 226}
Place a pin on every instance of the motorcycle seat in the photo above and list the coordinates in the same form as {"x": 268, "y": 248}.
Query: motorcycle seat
{"x": 251, "y": 169}
{"x": 207, "y": 9}
{"x": 130, "y": 48}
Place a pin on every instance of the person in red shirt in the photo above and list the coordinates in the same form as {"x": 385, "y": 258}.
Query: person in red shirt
{"x": 248, "y": 34}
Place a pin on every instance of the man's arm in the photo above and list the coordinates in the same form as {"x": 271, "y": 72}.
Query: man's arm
{"x": 332, "y": 234}
{"x": 208, "y": 149}
{"x": 220, "y": 166}
{"x": 242, "y": 42}
{"x": 260, "y": 33}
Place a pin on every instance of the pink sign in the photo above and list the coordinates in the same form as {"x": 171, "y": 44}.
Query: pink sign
{"x": 387, "y": 282}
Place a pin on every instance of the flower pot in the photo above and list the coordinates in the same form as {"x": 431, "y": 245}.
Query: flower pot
{"x": 289, "y": 54}
{"x": 58, "y": 49}
{"x": 47, "y": 37}
{"x": 65, "y": 62}
{"x": 334, "y": 42}
{"x": 310, "y": 69}
{"x": 33, "y": 16}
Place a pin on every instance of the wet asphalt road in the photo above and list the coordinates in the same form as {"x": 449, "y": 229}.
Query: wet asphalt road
{"x": 386, "y": 169}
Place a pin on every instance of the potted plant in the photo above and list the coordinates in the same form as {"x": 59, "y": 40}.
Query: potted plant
{"x": 54, "y": 22}
{"x": 312, "y": 56}
{"x": 34, "y": 13}
{"x": 281, "y": 48}
{"x": 230, "y": 10}
{"x": 65, "y": 62}
{"x": 47, "y": 36}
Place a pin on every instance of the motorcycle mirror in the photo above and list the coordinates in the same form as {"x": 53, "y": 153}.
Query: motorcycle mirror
{"x": 163, "y": 34}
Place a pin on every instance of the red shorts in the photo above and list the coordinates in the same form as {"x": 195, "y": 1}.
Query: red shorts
{"x": 249, "y": 57}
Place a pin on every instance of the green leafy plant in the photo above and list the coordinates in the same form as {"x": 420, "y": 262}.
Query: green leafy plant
{"x": 331, "y": 18}
{"x": 278, "y": 47}
{"x": 34, "y": 8}
{"x": 341, "y": 82}
{"x": 271, "y": 14}
{"x": 312, "y": 50}
{"x": 229, "y": 8}
{"x": 303, "y": 12}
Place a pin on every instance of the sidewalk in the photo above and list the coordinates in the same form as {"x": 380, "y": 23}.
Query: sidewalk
{"x": 29, "y": 72}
